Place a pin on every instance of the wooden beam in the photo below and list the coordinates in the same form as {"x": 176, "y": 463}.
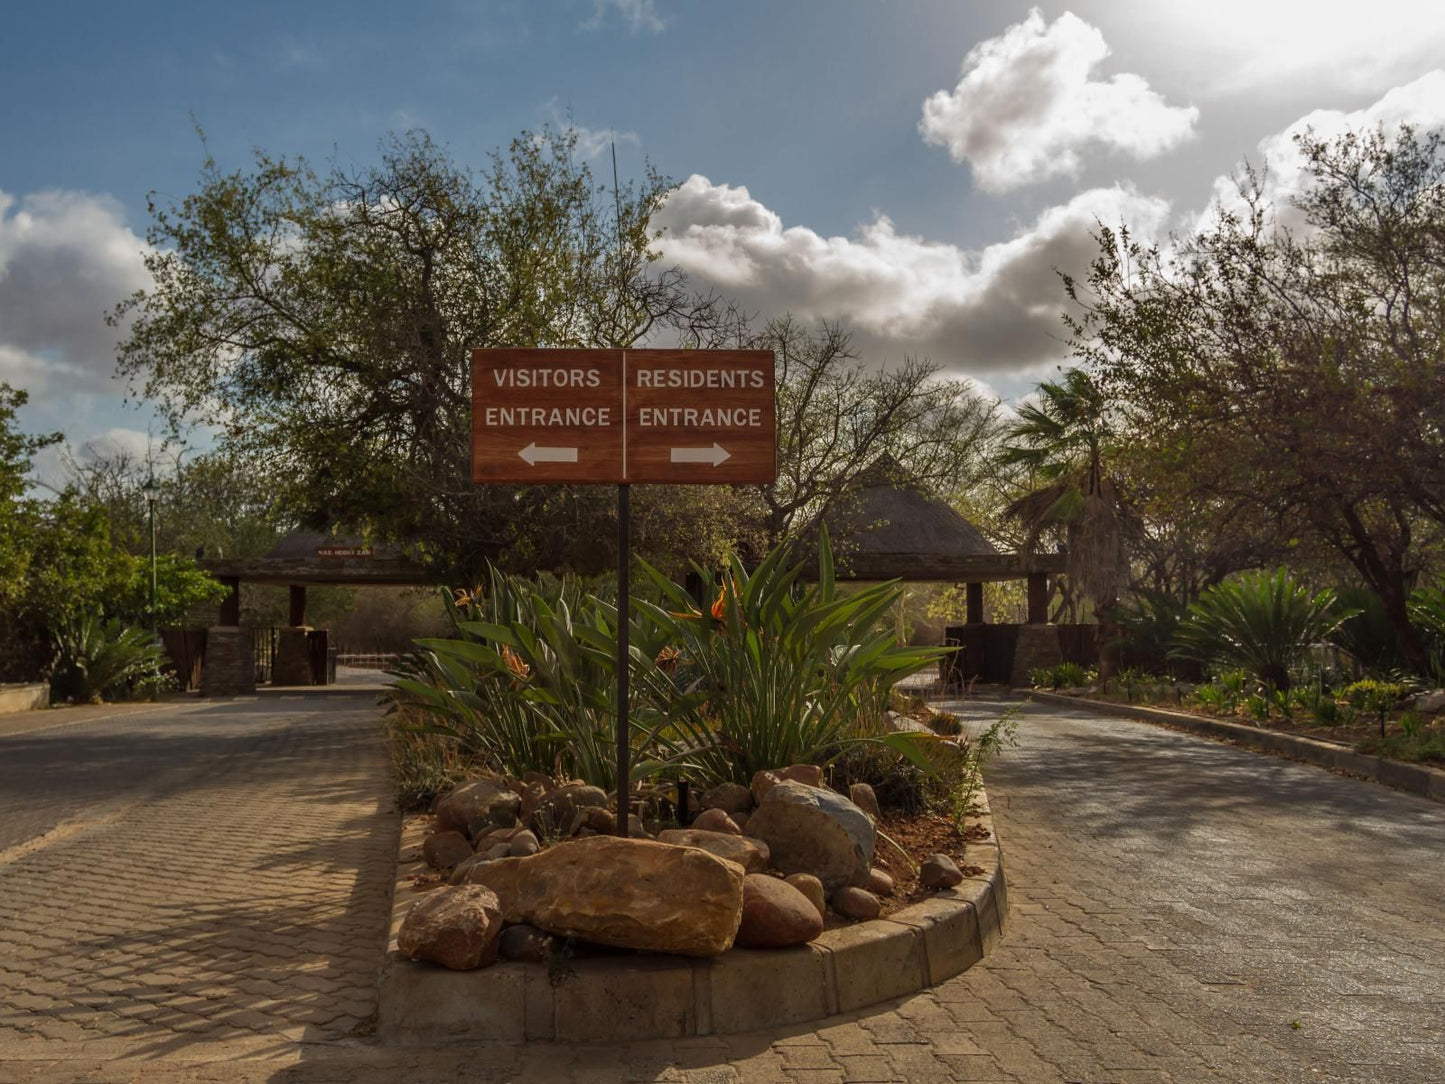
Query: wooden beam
{"x": 1038, "y": 598}
{"x": 945, "y": 568}
{"x": 303, "y": 573}
{"x": 231, "y": 604}
{"x": 298, "y": 606}
{"x": 974, "y": 601}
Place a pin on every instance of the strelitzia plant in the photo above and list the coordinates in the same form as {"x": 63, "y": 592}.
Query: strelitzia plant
{"x": 787, "y": 673}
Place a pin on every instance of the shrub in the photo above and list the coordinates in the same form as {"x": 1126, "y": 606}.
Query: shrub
{"x": 1148, "y": 622}
{"x": 1064, "y": 675}
{"x": 95, "y": 658}
{"x": 774, "y": 674}
{"x": 1373, "y": 695}
{"x": 788, "y": 674}
{"x": 425, "y": 761}
{"x": 1262, "y": 622}
{"x": 1427, "y": 613}
{"x": 1223, "y": 695}
{"x": 531, "y": 685}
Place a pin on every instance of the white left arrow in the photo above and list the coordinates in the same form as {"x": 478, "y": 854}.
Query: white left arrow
{"x": 534, "y": 455}
{"x": 714, "y": 455}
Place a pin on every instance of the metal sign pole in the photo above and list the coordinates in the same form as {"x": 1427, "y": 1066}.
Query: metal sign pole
{"x": 624, "y": 655}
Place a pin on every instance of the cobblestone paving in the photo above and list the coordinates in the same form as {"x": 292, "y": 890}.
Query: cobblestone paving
{"x": 1182, "y": 911}
{"x": 216, "y": 872}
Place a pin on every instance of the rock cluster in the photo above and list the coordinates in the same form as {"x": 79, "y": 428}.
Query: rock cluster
{"x": 530, "y": 860}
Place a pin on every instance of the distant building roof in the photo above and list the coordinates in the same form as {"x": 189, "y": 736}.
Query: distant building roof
{"x": 891, "y": 530}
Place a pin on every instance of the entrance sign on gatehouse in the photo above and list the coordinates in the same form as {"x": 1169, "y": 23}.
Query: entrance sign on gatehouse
{"x": 623, "y": 416}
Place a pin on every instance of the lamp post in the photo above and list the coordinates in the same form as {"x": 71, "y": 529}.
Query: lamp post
{"x": 152, "y": 493}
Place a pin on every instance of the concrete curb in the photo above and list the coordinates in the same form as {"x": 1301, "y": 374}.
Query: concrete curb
{"x": 668, "y": 997}
{"x": 17, "y": 698}
{"x": 1414, "y": 779}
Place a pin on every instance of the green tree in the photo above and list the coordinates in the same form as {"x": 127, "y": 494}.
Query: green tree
{"x": 1293, "y": 377}
{"x": 324, "y": 322}
{"x": 18, "y": 512}
{"x": 838, "y": 415}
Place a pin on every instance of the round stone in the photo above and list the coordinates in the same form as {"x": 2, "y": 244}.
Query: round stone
{"x": 856, "y": 903}
{"x": 775, "y": 914}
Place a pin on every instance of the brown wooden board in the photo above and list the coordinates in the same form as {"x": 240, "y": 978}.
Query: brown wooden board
{"x": 546, "y": 415}
{"x": 612, "y": 416}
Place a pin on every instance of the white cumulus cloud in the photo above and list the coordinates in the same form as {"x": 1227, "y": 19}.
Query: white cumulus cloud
{"x": 1027, "y": 105}
{"x": 1420, "y": 103}
{"x": 994, "y": 310}
{"x": 1236, "y": 48}
{"x": 66, "y": 258}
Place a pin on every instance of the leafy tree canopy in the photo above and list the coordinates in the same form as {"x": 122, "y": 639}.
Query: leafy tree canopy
{"x": 324, "y": 321}
{"x": 1292, "y": 376}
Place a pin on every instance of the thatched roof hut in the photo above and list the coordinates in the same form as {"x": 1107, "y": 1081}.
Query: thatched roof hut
{"x": 889, "y": 530}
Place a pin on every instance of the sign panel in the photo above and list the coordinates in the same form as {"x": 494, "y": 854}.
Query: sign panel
{"x": 672, "y": 416}
{"x": 345, "y": 551}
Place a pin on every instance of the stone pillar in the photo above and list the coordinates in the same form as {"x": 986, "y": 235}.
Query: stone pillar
{"x": 1038, "y": 598}
{"x": 1037, "y": 647}
{"x": 229, "y": 668}
{"x": 974, "y": 604}
{"x": 292, "y": 664}
{"x": 298, "y": 606}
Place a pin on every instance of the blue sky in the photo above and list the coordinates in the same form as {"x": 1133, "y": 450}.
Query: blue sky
{"x": 915, "y": 168}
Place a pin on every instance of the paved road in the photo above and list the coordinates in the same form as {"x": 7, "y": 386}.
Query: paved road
{"x": 1182, "y": 911}
{"x": 202, "y": 873}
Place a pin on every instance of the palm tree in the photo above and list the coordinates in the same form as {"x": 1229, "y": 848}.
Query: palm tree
{"x": 1062, "y": 441}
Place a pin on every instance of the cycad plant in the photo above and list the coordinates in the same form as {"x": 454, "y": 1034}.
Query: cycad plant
{"x": 1260, "y": 622}
{"x": 1427, "y": 614}
{"x": 95, "y": 657}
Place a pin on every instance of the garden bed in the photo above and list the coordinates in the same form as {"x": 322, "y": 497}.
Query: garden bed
{"x": 591, "y": 994}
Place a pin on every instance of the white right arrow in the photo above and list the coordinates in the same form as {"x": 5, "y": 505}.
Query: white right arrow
{"x": 714, "y": 455}
{"x": 534, "y": 455}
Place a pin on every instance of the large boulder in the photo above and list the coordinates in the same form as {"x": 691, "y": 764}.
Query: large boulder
{"x": 457, "y": 927}
{"x": 815, "y": 830}
{"x": 629, "y": 893}
{"x": 775, "y": 914}
{"x": 1431, "y": 703}
{"x": 810, "y": 774}
{"x": 469, "y": 802}
{"x": 856, "y": 903}
{"x": 751, "y": 854}
{"x": 861, "y": 795}
{"x": 763, "y": 782}
{"x": 896, "y": 723}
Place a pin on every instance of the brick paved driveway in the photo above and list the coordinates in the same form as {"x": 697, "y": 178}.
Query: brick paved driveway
{"x": 1178, "y": 908}
{"x": 202, "y": 873}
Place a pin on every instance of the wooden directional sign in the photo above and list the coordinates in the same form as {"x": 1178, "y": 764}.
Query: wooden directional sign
{"x": 675, "y": 416}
